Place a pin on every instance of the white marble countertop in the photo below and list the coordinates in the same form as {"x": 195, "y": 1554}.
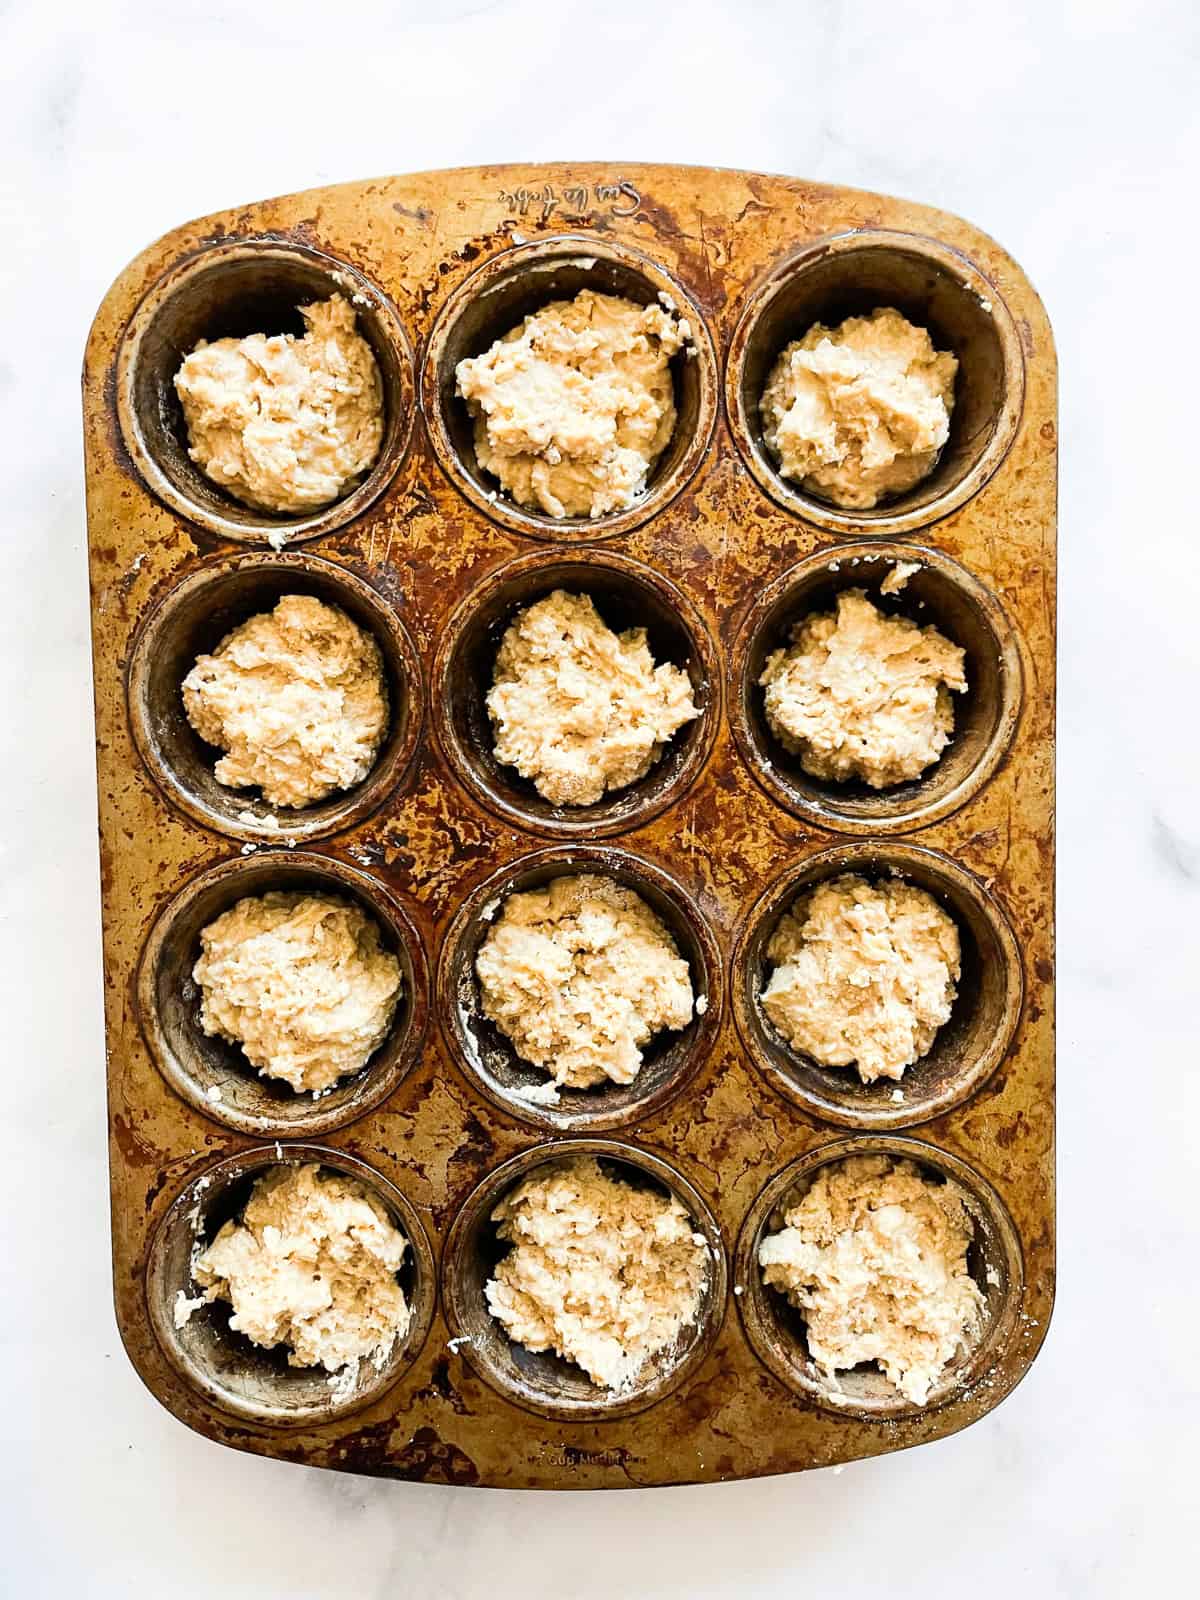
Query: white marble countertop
{"x": 1069, "y": 131}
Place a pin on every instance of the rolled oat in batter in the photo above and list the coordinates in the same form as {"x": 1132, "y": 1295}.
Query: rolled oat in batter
{"x": 297, "y": 699}
{"x": 311, "y": 1265}
{"x": 580, "y": 975}
{"x": 301, "y": 982}
{"x": 573, "y": 407}
{"x": 874, "y": 1255}
{"x": 284, "y": 423}
{"x": 864, "y": 974}
{"x": 858, "y": 413}
{"x": 859, "y": 694}
{"x": 577, "y": 708}
{"x": 603, "y": 1273}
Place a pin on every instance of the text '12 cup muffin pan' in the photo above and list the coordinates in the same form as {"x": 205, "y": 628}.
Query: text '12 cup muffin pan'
{"x": 717, "y": 558}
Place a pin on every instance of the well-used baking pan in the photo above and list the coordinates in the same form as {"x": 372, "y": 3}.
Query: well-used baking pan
{"x": 716, "y": 559}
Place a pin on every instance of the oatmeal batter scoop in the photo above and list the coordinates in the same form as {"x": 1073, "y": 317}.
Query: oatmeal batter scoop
{"x": 573, "y": 407}
{"x": 580, "y": 975}
{"x": 301, "y": 982}
{"x": 311, "y": 1265}
{"x": 577, "y": 708}
{"x": 602, "y": 1273}
{"x": 859, "y": 694}
{"x": 865, "y": 974}
{"x": 875, "y": 1256}
{"x": 283, "y": 423}
{"x": 296, "y": 698}
{"x": 858, "y": 413}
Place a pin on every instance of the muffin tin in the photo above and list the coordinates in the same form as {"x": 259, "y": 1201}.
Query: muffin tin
{"x": 715, "y": 559}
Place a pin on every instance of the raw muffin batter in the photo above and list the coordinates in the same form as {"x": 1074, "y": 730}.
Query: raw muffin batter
{"x": 859, "y": 694}
{"x": 580, "y": 975}
{"x": 858, "y": 413}
{"x": 285, "y": 423}
{"x": 574, "y": 406}
{"x": 311, "y": 1265}
{"x": 577, "y": 708}
{"x": 898, "y": 577}
{"x": 301, "y": 982}
{"x": 875, "y": 1256}
{"x": 296, "y": 698}
{"x": 602, "y": 1273}
{"x": 864, "y": 975}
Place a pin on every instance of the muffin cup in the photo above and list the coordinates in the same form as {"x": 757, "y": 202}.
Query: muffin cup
{"x": 985, "y": 716}
{"x": 192, "y": 620}
{"x": 627, "y": 594}
{"x": 497, "y": 298}
{"x": 215, "y": 1076}
{"x": 776, "y": 1329}
{"x": 231, "y": 290}
{"x": 852, "y": 274}
{"x": 544, "y": 1382}
{"x": 226, "y": 1367}
{"x": 968, "y": 1047}
{"x": 671, "y": 1058}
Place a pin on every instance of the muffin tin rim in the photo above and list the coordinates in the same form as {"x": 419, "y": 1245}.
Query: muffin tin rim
{"x": 858, "y": 856}
{"x": 372, "y": 485}
{"x": 245, "y": 1163}
{"x": 917, "y": 813}
{"x": 397, "y": 648}
{"x": 672, "y": 1175}
{"x": 844, "y": 522}
{"x": 573, "y": 245}
{"x": 577, "y": 858}
{"x": 563, "y": 825}
{"x": 387, "y": 1066}
{"x": 977, "y": 1364}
